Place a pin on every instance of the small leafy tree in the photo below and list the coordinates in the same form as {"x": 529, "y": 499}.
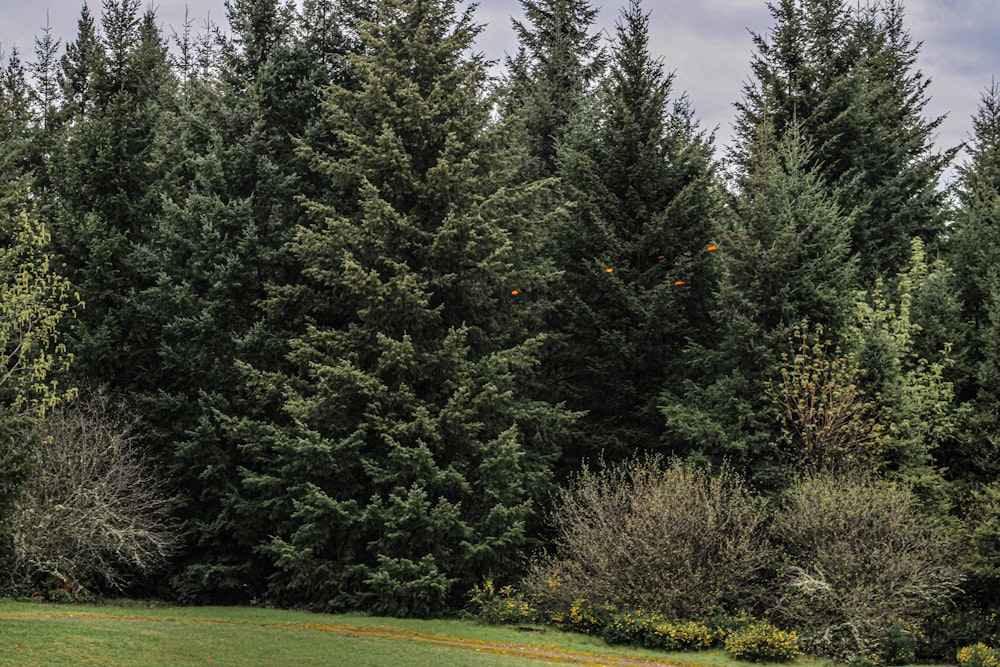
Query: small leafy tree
{"x": 34, "y": 300}
{"x": 904, "y": 374}
{"x": 828, "y": 425}
{"x": 92, "y": 515}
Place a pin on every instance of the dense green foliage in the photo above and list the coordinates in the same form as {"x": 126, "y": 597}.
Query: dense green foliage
{"x": 370, "y": 305}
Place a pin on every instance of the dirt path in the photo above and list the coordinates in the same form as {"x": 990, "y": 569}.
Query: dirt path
{"x": 546, "y": 654}
{"x": 540, "y": 653}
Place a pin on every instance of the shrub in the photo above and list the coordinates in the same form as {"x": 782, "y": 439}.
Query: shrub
{"x": 503, "y": 606}
{"x": 683, "y": 541}
{"x": 91, "y": 516}
{"x": 982, "y": 521}
{"x": 626, "y": 627}
{"x": 654, "y": 631}
{"x": 946, "y": 633}
{"x": 979, "y": 655}
{"x": 583, "y": 616}
{"x": 680, "y": 636}
{"x": 762, "y": 642}
{"x": 861, "y": 557}
{"x": 899, "y": 644}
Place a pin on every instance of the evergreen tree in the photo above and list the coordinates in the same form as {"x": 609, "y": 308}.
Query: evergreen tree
{"x": 640, "y": 176}
{"x": 46, "y": 92}
{"x": 404, "y": 461}
{"x": 974, "y": 254}
{"x": 104, "y": 179}
{"x": 844, "y": 75}
{"x": 230, "y": 205}
{"x": 15, "y": 118}
{"x": 557, "y": 63}
{"x": 784, "y": 258}
{"x": 79, "y": 64}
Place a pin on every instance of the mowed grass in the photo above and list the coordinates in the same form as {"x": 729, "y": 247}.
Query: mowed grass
{"x": 139, "y": 636}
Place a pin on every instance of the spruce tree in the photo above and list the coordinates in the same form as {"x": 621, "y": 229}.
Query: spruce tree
{"x": 557, "y": 63}
{"x": 640, "y": 177}
{"x": 104, "y": 180}
{"x": 974, "y": 256}
{"x": 16, "y": 121}
{"x": 784, "y": 258}
{"x": 230, "y": 206}
{"x": 404, "y": 463}
{"x": 78, "y": 66}
{"x": 845, "y": 76}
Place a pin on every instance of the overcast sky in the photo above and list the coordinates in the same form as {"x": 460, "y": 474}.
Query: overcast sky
{"x": 706, "y": 43}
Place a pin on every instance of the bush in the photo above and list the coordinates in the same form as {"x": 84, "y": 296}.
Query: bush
{"x": 946, "y": 633}
{"x": 91, "y": 516}
{"x": 762, "y": 642}
{"x": 860, "y": 558}
{"x": 582, "y": 616}
{"x": 503, "y": 606}
{"x": 979, "y": 655}
{"x": 654, "y": 631}
{"x": 982, "y": 521}
{"x": 899, "y": 644}
{"x": 682, "y": 541}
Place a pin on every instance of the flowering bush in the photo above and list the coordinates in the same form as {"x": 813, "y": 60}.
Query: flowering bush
{"x": 762, "y": 642}
{"x": 679, "y": 636}
{"x": 503, "y": 606}
{"x": 979, "y": 655}
{"x": 654, "y": 631}
{"x": 584, "y": 617}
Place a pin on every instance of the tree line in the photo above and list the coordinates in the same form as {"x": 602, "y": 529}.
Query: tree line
{"x": 367, "y": 305}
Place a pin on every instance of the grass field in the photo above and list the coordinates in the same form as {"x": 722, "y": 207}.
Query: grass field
{"x": 140, "y": 636}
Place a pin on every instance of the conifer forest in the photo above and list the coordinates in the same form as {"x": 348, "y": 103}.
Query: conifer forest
{"x": 319, "y": 309}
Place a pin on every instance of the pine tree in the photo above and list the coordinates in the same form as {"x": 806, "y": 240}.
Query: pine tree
{"x": 784, "y": 258}
{"x": 230, "y": 206}
{"x": 845, "y": 76}
{"x": 974, "y": 255}
{"x": 557, "y": 63}
{"x": 404, "y": 461}
{"x": 640, "y": 177}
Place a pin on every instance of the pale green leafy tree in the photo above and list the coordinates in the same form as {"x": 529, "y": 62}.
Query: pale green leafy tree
{"x": 34, "y": 301}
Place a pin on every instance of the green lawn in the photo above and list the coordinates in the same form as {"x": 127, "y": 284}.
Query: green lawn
{"x": 138, "y": 636}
